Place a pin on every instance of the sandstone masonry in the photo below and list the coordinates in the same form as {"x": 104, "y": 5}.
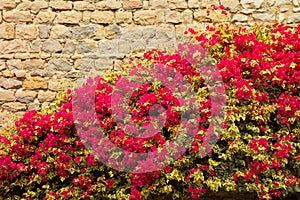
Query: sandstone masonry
{"x": 45, "y": 44}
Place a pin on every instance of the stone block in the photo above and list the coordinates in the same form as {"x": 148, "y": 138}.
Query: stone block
{"x": 108, "y": 5}
{"x": 33, "y": 83}
{"x": 46, "y": 96}
{"x": 20, "y": 73}
{"x": 174, "y": 4}
{"x": 43, "y": 31}
{"x": 59, "y": 65}
{"x": 69, "y": 48}
{"x": 13, "y": 46}
{"x": 55, "y": 85}
{"x": 265, "y": 17}
{"x": 61, "y": 5}
{"x": 14, "y": 106}
{"x": 294, "y": 18}
{"x": 35, "y": 46}
{"x": 25, "y": 96}
{"x": 17, "y": 16}
{"x": 7, "y": 4}
{"x": 8, "y": 74}
{"x": 51, "y": 46}
{"x": 14, "y": 64}
{"x": 83, "y": 32}
{"x": 132, "y": 4}
{"x": 173, "y": 17}
{"x": 158, "y": 4}
{"x": 45, "y": 17}
{"x": 194, "y": 3}
{"x": 60, "y": 32}
{"x": 239, "y": 18}
{"x": 38, "y": 5}
{"x": 10, "y": 83}
{"x": 33, "y": 64}
{"x": 111, "y": 31}
{"x": 69, "y": 17}
{"x": 7, "y": 95}
{"x": 26, "y": 31}
{"x": 103, "y": 17}
{"x": 7, "y": 31}
{"x": 187, "y": 16}
{"x": 251, "y": 4}
{"x": 83, "y": 5}
{"x": 145, "y": 17}
{"x": 123, "y": 17}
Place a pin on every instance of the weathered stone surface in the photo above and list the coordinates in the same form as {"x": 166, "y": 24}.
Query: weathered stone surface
{"x": 33, "y": 64}
{"x": 201, "y": 16}
{"x": 14, "y": 106}
{"x": 84, "y": 48}
{"x": 132, "y": 4}
{"x": 13, "y": 46}
{"x": 7, "y": 95}
{"x": 34, "y": 106}
{"x": 17, "y": 16}
{"x": 239, "y": 18}
{"x": 69, "y": 48}
{"x": 69, "y": 17}
{"x": 247, "y": 11}
{"x": 38, "y": 5}
{"x": 7, "y": 4}
{"x": 83, "y": 32}
{"x": 35, "y": 83}
{"x": 145, "y": 17}
{"x": 24, "y": 5}
{"x": 7, "y": 31}
{"x": 84, "y": 64}
{"x": 111, "y": 31}
{"x": 173, "y": 4}
{"x": 194, "y": 3}
{"x": 61, "y": 5}
{"x": 108, "y": 5}
{"x": 46, "y": 96}
{"x": 2, "y": 65}
{"x": 10, "y": 83}
{"x": 294, "y": 18}
{"x": 20, "y": 73}
{"x": 55, "y": 85}
{"x": 14, "y": 64}
{"x": 228, "y": 3}
{"x": 158, "y": 4}
{"x": 296, "y": 2}
{"x": 43, "y": 31}
{"x": 45, "y": 17}
{"x": 86, "y": 17}
{"x": 124, "y": 17}
{"x": 99, "y": 32}
{"x": 35, "y": 46}
{"x": 250, "y": 4}
{"x": 187, "y": 16}
{"x": 264, "y": 17}
{"x": 83, "y": 5}
{"x": 173, "y": 17}
{"x": 25, "y": 96}
{"x": 59, "y": 65}
{"x": 103, "y": 63}
{"x": 103, "y": 17}
{"x": 60, "y": 32}
{"x": 8, "y": 74}
{"x": 278, "y": 2}
{"x": 51, "y": 46}
{"x": 26, "y": 31}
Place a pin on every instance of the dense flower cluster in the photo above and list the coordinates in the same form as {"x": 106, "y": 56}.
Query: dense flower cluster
{"x": 43, "y": 157}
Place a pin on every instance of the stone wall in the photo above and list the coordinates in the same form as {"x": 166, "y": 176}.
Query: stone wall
{"x": 45, "y": 43}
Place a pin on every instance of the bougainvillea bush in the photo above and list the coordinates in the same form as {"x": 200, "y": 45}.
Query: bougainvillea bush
{"x": 43, "y": 157}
